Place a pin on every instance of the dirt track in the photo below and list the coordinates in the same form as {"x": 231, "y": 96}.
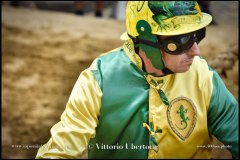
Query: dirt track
{"x": 44, "y": 52}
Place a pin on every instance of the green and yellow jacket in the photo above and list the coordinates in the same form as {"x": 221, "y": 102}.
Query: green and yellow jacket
{"x": 116, "y": 110}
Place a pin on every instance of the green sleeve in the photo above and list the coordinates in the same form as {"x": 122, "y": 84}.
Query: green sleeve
{"x": 223, "y": 115}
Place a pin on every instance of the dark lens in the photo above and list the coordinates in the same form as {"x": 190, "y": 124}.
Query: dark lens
{"x": 200, "y": 34}
{"x": 183, "y": 42}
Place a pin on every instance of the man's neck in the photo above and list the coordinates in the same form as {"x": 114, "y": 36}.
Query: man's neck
{"x": 148, "y": 65}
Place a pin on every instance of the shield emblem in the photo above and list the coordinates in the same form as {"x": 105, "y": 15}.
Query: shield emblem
{"x": 182, "y": 117}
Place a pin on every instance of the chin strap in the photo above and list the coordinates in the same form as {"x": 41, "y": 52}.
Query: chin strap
{"x": 167, "y": 71}
{"x": 148, "y": 43}
{"x": 153, "y": 53}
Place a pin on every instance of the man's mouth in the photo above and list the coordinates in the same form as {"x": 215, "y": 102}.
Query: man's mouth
{"x": 188, "y": 61}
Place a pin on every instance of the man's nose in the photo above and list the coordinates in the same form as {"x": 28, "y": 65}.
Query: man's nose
{"x": 194, "y": 50}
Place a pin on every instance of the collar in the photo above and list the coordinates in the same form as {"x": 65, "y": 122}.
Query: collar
{"x": 128, "y": 47}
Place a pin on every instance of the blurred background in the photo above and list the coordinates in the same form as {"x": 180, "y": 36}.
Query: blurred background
{"x": 46, "y": 45}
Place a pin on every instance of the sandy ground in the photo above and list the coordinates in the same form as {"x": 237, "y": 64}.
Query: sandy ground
{"x": 44, "y": 52}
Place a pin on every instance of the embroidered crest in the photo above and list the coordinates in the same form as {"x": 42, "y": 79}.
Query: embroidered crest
{"x": 182, "y": 116}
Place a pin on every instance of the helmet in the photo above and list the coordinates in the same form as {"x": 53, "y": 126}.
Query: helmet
{"x": 165, "y": 17}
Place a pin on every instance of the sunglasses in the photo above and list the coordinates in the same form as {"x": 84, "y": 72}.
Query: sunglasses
{"x": 179, "y": 44}
{"x": 176, "y": 45}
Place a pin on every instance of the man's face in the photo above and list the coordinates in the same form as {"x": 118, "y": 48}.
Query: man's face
{"x": 182, "y": 62}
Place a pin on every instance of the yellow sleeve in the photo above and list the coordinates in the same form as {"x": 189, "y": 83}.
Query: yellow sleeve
{"x": 70, "y": 136}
